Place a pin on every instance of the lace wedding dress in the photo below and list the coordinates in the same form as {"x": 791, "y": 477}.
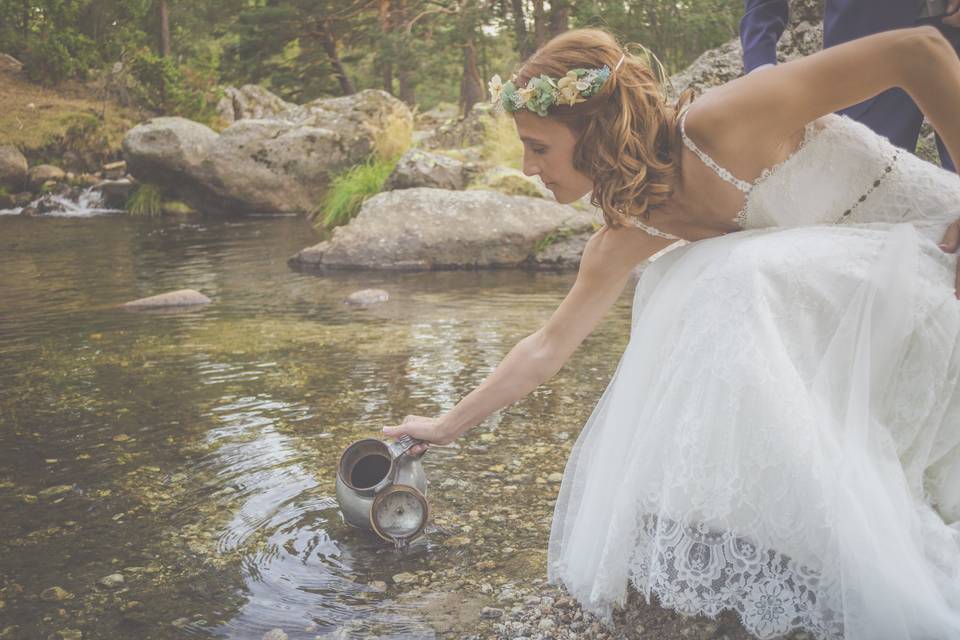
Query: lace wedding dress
{"x": 781, "y": 436}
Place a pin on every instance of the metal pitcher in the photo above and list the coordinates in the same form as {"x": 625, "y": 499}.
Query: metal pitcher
{"x": 380, "y": 487}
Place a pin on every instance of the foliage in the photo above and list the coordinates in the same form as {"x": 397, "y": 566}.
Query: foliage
{"x": 164, "y": 87}
{"x": 350, "y": 189}
{"x": 145, "y": 200}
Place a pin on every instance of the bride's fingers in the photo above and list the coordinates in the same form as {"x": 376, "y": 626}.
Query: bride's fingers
{"x": 956, "y": 281}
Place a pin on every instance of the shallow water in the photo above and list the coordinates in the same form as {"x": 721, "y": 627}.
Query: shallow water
{"x": 194, "y": 453}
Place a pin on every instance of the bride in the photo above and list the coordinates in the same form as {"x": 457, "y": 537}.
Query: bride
{"x": 781, "y": 436}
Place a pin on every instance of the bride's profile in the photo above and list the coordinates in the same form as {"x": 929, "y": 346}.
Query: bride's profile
{"x": 781, "y": 436}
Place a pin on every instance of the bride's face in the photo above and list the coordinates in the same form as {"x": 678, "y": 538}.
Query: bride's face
{"x": 548, "y": 153}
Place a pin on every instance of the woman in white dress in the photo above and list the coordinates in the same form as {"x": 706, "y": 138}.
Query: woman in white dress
{"x": 781, "y": 436}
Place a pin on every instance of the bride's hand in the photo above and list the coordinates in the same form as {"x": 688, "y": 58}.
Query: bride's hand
{"x": 431, "y": 430}
{"x": 950, "y": 243}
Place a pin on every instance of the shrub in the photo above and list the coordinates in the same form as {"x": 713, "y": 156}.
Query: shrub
{"x": 501, "y": 146}
{"x": 58, "y": 56}
{"x": 163, "y": 86}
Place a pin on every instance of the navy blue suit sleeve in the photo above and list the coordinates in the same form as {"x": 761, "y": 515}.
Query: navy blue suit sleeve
{"x": 762, "y": 25}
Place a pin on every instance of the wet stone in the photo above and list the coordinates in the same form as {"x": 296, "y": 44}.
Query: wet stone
{"x": 55, "y": 594}
{"x": 275, "y": 634}
{"x": 491, "y": 613}
{"x": 70, "y": 634}
{"x": 111, "y": 581}
{"x": 405, "y": 578}
{"x": 53, "y": 492}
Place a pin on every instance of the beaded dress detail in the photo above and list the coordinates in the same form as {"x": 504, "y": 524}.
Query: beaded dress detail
{"x": 781, "y": 436}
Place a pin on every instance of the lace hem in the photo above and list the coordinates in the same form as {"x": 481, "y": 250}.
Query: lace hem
{"x": 701, "y": 571}
{"x": 696, "y": 570}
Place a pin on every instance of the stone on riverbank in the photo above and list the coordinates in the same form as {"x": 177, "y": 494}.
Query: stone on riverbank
{"x": 419, "y": 168}
{"x": 368, "y": 296}
{"x": 423, "y": 229}
{"x": 42, "y": 173}
{"x": 179, "y": 298}
{"x": 13, "y": 168}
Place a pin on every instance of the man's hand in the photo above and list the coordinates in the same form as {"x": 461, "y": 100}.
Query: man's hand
{"x": 953, "y": 17}
{"x": 950, "y": 243}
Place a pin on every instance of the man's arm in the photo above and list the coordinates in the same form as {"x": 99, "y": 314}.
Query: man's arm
{"x": 762, "y": 25}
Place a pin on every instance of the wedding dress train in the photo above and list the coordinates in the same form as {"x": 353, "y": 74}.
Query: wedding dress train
{"x": 781, "y": 436}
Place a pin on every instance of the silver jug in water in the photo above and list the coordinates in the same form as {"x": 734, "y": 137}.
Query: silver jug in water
{"x": 380, "y": 487}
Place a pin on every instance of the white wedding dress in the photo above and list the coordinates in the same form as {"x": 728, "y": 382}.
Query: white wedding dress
{"x": 781, "y": 436}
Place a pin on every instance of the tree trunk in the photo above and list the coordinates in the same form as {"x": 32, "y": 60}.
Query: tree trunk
{"x": 539, "y": 23}
{"x": 386, "y": 67}
{"x": 404, "y": 75}
{"x": 330, "y": 46}
{"x": 524, "y": 47}
{"x": 164, "y": 30}
{"x": 559, "y": 17}
{"x": 471, "y": 87}
{"x": 26, "y": 18}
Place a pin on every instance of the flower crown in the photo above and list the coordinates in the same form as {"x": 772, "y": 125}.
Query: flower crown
{"x": 543, "y": 91}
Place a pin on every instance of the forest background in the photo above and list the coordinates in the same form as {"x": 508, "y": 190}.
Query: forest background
{"x": 173, "y": 56}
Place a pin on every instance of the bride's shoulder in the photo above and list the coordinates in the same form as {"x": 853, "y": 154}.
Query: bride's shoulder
{"x": 622, "y": 247}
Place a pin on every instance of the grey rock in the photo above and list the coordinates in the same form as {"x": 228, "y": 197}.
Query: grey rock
{"x": 463, "y": 131}
{"x": 115, "y": 192}
{"x": 111, "y": 581}
{"x": 179, "y": 298}
{"x": 38, "y": 175}
{"x": 419, "y": 168}
{"x": 422, "y": 229}
{"x": 491, "y": 613}
{"x": 278, "y": 164}
{"x": 368, "y": 296}
{"x": 251, "y": 101}
{"x": 275, "y": 634}
{"x": 13, "y": 168}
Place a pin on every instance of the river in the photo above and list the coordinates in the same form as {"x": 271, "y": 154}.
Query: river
{"x": 193, "y": 453}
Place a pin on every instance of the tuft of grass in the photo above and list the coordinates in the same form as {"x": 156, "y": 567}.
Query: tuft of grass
{"x": 501, "y": 145}
{"x": 4, "y": 193}
{"x": 145, "y": 200}
{"x": 396, "y": 136}
{"x": 350, "y": 189}
{"x": 558, "y": 234}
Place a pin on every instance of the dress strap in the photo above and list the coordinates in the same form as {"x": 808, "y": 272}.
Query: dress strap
{"x": 653, "y": 230}
{"x": 742, "y": 185}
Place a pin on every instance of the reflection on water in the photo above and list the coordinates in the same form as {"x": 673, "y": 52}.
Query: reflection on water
{"x": 193, "y": 454}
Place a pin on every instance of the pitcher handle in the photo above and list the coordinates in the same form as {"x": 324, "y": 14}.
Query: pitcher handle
{"x": 403, "y": 444}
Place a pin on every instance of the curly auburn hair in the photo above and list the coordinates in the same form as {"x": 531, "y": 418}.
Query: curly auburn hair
{"x": 628, "y": 136}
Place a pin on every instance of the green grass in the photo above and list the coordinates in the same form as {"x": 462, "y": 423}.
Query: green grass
{"x": 145, "y": 200}
{"x": 554, "y": 236}
{"x": 3, "y": 192}
{"x": 501, "y": 146}
{"x": 350, "y": 189}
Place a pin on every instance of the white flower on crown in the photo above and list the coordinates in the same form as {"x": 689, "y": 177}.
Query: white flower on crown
{"x": 495, "y": 86}
{"x": 524, "y": 95}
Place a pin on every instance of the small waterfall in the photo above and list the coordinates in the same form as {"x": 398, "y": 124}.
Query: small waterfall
{"x": 75, "y": 203}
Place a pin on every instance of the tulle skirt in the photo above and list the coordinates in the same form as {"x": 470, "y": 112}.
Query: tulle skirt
{"x": 781, "y": 437}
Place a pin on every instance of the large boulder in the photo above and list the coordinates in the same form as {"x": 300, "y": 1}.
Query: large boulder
{"x": 462, "y": 131}
{"x": 167, "y": 150}
{"x": 419, "y": 168}
{"x": 422, "y": 229}
{"x": 279, "y": 164}
{"x": 38, "y": 175}
{"x": 251, "y": 101}
{"x": 13, "y": 168}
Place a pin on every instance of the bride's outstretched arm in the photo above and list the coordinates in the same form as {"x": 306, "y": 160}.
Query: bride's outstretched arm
{"x": 605, "y": 267}
{"x": 761, "y": 110}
